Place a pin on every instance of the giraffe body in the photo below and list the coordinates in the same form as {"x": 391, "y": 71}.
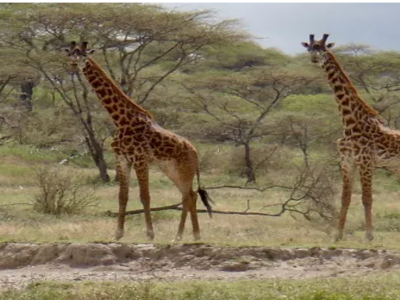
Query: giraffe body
{"x": 366, "y": 143}
{"x": 140, "y": 142}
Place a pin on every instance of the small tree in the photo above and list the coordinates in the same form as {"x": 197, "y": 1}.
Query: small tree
{"x": 239, "y": 104}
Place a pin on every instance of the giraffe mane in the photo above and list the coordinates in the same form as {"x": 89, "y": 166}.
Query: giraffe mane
{"x": 367, "y": 107}
{"x": 118, "y": 89}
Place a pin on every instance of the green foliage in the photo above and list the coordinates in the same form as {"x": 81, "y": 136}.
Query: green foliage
{"x": 47, "y": 128}
{"x": 45, "y": 97}
{"x": 241, "y": 56}
{"x": 319, "y": 103}
{"x": 27, "y": 153}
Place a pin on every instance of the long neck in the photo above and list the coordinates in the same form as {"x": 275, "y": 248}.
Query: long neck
{"x": 114, "y": 100}
{"x": 351, "y": 106}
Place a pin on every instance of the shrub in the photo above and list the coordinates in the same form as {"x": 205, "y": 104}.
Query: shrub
{"x": 61, "y": 192}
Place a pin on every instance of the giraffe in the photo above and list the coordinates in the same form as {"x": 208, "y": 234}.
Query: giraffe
{"x": 139, "y": 142}
{"x": 366, "y": 142}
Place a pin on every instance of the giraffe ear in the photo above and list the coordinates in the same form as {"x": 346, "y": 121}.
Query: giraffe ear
{"x": 90, "y": 51}
{"x": 305, "y": 44}
{"x": 65, "y": 49}
{"x": 330, "y": 45}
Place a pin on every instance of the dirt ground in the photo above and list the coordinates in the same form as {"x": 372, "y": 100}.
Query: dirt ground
{"x": 23, "y": 263}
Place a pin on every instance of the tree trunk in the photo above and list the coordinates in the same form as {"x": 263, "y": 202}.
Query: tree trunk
{"x": 251, "y": 177}
{"x": 27, "y": 94}
{"x": 98, "y": 156}
{"x": 102, "y": 166}
{"x": 125, "y": 87}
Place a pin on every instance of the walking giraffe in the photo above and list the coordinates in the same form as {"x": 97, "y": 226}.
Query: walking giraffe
{"x": 140, "y": 141}
{"x": 366, "y": 143}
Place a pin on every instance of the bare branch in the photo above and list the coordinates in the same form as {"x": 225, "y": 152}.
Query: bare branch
{"x": 309, "y": 194}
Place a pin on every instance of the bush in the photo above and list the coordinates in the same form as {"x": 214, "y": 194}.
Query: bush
{"x": 61, "y": 192}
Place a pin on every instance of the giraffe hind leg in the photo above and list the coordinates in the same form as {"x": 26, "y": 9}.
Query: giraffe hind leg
{"x": 193, "y": 215}
{"x": 189, "y": 199}
{"x": 142, "y": 173}
{"x": 183, "y": 177}
{"x": 366, "y": 186}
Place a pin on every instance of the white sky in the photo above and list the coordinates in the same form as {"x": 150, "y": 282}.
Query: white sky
{"x": 285, "y": 25}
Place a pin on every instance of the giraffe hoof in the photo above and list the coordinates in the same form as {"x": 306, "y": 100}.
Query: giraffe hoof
{"x": 178, "y": 238}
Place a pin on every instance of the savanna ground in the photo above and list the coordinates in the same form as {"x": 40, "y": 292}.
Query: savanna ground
{"x": 240, "y": 257}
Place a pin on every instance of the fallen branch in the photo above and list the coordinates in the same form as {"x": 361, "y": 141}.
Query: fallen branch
{"x": 177, "y": 207}
{"x": 248, "y": 188}
{"x": 22, "y": 203}
{"x": 309, "y": 194}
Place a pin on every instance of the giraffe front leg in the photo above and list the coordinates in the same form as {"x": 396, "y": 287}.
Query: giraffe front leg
{"x": 348, "y": 172}
{"x": 124, "y": 172}
{"x": 366, "y": 186}
{"x": 142, "y": 173}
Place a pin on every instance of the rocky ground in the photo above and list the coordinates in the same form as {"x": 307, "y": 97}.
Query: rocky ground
{"x": 23, "y": 263}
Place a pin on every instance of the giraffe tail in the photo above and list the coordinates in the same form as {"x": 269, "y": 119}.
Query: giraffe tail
{"x": 205, "y": 198}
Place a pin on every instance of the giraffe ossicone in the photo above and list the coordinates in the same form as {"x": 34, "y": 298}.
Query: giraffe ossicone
{"x": 139, "y": 142}
{"x": 366, "y": 143}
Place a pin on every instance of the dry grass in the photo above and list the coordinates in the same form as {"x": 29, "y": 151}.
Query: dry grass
{"x": 20, "y": 223}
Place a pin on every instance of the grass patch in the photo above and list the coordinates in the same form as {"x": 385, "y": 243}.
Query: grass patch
{"x": 27, "y": 153}
{"x": 354, "y": 288}
{"x": 20, "y": 223}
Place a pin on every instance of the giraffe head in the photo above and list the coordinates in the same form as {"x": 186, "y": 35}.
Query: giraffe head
{"x": 318, "y": 49}
{"x": 77, "y": 55}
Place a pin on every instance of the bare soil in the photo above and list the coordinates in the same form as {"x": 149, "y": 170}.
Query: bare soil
{"x": 23, "y": 263}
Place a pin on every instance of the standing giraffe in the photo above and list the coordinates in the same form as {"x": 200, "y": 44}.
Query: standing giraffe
{"x": 140, "y": 141}
{"x": 366, "y": 143}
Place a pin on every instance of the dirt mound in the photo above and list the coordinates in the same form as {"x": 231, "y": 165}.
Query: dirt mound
{"x": 96, "y": 261}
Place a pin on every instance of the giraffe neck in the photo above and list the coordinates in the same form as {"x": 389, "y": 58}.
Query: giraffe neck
{"x": 120, "y": 107}
{"x": 353, "y": 109}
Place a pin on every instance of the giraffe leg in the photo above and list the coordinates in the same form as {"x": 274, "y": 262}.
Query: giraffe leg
{"x": 366, "y": 185}
{"x": 348, "y": 172}
{"x": 193, "y": 215}
{"x": 124, "y": 172}
{"x": 185, "y": 209}
{"x": 182, "y": 176}
{"x": 142, "y": 173}
{"x": 189, "y": 199}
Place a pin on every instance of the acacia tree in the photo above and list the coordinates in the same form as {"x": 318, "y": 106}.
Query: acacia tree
{"x": 239, "y": 104}
{"x": 139, "y": 45}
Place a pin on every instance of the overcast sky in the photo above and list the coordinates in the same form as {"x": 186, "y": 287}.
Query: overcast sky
{"x": 285, "y": 25}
